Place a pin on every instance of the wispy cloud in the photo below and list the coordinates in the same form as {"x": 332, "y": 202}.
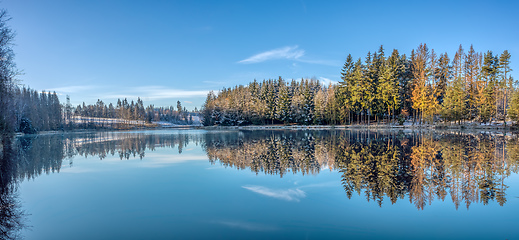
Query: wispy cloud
{"x": 283, "y": 194}
{"x": 320, "y": 62}
{"x": 247, "y": 226}
{"x": 71, "y": 89}
{"x": 327, "y": 81}
{"x": 152, "y": 160}
{"x": 289, "y": 52}
{"x": 157, "y": 92}
{"x": 219, "y": 83}
{"x": 155, "y": 160}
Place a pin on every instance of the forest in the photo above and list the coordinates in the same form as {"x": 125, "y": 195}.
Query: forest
{"x": 33, "y": 111}
{"x": 127, "y": 111}
{"x": 423, "y": 88}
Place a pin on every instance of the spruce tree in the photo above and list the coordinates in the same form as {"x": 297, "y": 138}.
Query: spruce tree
{"x": 421, "y": 95}
{"x": 505, "y": 83}
{"x": 284, "y": 103}
{"x": 513, "y": 109}
{"x": 489, "y": 73}
{"x": 443, "y": 74}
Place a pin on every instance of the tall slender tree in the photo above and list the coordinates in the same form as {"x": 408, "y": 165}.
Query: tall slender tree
{"x": 421, "y": 95}
{"x": 505, "y": 83}
{"x": 8, "y": 73}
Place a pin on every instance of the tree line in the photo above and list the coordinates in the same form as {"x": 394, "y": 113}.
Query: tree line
{"x": 130, "y": 110}
{"x": 269, "y": 101}
{"x": 34, "y": 111}
{"x": 424, "y": 87}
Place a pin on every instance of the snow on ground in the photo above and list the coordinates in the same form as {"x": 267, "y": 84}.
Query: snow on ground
{"x": 165, "y": 124}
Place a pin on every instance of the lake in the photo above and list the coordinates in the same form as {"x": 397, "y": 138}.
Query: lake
{"x": 277, "y": 184}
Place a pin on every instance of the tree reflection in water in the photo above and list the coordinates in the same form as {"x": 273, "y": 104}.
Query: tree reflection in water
{"x": 12, "y": 217}
{"x": 420, "y": 166}
{"x": 27, "y": 157}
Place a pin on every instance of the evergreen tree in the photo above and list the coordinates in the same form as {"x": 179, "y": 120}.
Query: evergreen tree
{"x": 489, "y": 72}
{"x": 344, "y": 92}
{"x": 513, "y": 109}
{"x": 421, "y": 94}
{"x": 505, "y": 81}
{"x": 356, "y": 99}
{"x": 388, "y": 85}
{"x": 471, "y": 71}
{"x": 284, "y": 104}
{"x": 455, "y": 102}
{"x": 307, "y": 103}
{"x": 320, "y": 100}
{"x": 405, "y": 85}
{"x": 442, "y": 76}
{"x": 368, "y": 83}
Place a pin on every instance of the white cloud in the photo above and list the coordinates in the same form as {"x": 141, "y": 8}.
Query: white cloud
{"x": 247, "y": 226}
{"x": 158, "y": 92}
{"x": 150, "y": 160}
{"x": 327, "y": 81}
{"x": 71, "y": 89}
{"x": 289, "y": 52}
{"x": 218, "y": 83}
{"x": 287, "y": 195}
{"x": 320, "y": 62}
{"x": 155, "y": 160}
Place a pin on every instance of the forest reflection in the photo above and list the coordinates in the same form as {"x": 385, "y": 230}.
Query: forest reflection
{"x": 467, "y": 168}
{"x": 27, "y": 157}
{"x": 420, "y": 167}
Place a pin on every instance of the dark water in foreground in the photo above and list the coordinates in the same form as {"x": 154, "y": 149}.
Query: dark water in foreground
{"x": 194, "y": 184}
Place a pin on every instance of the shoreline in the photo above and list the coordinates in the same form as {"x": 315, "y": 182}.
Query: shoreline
{"x": 470, "y": 126}
{"x": 82, "y": 130}
{"x": 375, "y": 127}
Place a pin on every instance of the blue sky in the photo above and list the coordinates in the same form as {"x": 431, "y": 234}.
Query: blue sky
{"x": 164, "y": 51}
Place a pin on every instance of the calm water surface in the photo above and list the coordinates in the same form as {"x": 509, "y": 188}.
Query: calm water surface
{"x": 195, "y": 184}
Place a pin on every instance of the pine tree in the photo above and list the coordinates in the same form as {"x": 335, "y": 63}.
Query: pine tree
{"x": 387, "y": 87}
{"x": 421, "y": 95}
{"x": 489, "y": 72}
{"x": 443, "y": 74}
{"x": 513, "y": 109}
{"x": 284, "y": 105}
{"x": 505, "y": 83}
{"x": 471, "y": 71}
{"x": 356, "y": 99}
{"x": 320, "y": 103}
{"x": 308, "y": 105}
{"x": 343, "y": 94}
{"x": 405, "y": 85}
{"x": 368, "y": 83}
{"x": 455, "y": 102}
{"x": 331, "y": 105}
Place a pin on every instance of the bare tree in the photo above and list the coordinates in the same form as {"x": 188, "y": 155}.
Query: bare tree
{"x": 7, "y": 75}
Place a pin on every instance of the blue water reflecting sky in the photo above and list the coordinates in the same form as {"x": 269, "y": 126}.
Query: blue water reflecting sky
{"x": 168, "y": 195}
